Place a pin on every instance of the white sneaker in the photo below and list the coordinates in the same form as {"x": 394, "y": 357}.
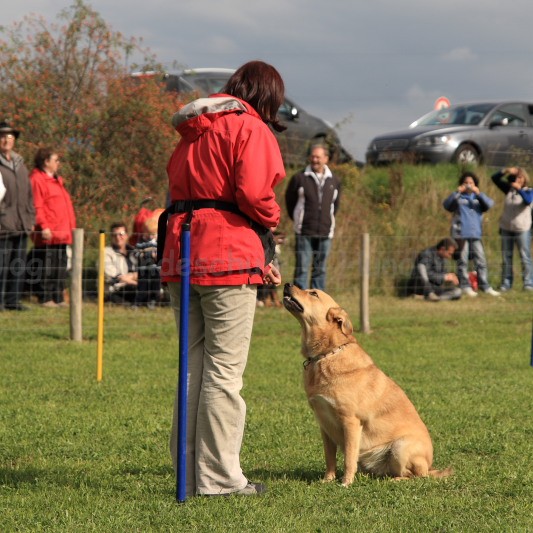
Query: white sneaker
{"x": 491, "y": 291}
{"x": 469, "y": 291}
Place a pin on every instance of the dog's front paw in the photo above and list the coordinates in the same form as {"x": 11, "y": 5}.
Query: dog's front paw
{"x": 329, "y": 476}
{"x": 346, "y": 482}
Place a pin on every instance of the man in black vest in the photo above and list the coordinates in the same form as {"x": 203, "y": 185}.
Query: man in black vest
{"x": 312, "y": 200}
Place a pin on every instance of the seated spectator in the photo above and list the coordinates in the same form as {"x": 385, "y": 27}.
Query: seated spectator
{"x": 120, "y": 267}
{"x": 430, "y": 277}
{"x": 141, "y": 217}
{"x": 149, "y": 282}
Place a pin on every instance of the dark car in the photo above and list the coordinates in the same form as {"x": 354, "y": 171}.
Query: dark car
{"x": 491, "y": 133}
{"x": 303, "y": 129}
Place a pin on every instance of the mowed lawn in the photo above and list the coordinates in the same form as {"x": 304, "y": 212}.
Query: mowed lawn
{"x": 77, "y": 455}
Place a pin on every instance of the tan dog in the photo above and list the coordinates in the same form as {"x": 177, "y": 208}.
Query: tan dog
{"x": 358, "y": 407}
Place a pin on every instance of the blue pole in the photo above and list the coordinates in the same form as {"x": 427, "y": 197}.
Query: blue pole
{"x": 184, "y": 360}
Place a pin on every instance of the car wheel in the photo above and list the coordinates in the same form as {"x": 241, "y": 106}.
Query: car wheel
{"x": 467, "y": 154}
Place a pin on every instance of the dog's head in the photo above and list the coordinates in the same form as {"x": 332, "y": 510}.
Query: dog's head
{"x": 325, "y": 325}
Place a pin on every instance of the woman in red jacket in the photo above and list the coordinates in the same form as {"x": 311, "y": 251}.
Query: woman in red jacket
{"x": 54, "y": 222}
{"x": 227, "y": 163}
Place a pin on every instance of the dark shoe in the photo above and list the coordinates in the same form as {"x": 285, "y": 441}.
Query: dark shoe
{"x": 16, "y": 307}
{"x": 251, "y": 489}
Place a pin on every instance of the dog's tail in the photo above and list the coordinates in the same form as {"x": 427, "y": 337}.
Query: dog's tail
{"x": 441, "y": 473}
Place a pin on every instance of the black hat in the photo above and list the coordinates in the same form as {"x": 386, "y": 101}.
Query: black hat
{"x": 6, "y": 128}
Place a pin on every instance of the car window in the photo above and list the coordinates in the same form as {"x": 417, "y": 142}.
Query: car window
{"x": 178, "y": 84}
{"x": 513, "y": 115}
{"x": 207, "y": 84}
{"x": 457, "y": 115}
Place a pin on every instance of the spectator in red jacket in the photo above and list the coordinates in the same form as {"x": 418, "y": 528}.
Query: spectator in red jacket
{"x": 141, "y": 217}
{"x": 221, "y": 177}
{"x": 54, "y": 222}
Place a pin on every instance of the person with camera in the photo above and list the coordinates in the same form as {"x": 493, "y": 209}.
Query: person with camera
{"x": 515, "y": 224}
{"x": 468, "y": 204}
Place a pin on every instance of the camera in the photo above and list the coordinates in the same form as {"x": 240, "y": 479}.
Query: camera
{"x": 512, "y": 178}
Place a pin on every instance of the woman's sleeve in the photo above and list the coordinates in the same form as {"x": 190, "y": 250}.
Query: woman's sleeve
{"x": 258, "y": 169}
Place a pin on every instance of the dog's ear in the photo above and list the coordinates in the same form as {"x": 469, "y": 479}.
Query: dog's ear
{"x": 339, "y": 315}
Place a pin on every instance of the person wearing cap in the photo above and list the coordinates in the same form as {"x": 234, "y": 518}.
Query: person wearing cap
{"x": 2, "y": 188}
{"x": 17, "y": 217}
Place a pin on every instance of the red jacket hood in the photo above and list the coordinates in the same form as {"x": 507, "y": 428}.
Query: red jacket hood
{"x": 195, "y": 118}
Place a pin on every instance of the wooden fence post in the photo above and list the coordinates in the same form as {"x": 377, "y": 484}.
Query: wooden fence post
{"x": 76, "y": 286}
{"x": 365, "y": 280}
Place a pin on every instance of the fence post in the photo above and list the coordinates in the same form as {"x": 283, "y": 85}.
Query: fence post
{"x": 365, "y": 279}
{"x": 76, "y": 286}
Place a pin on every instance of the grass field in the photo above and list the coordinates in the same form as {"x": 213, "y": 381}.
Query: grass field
{"x": 81, "y": 456}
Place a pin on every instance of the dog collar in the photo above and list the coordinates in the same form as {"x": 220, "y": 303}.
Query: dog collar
{"x": 316, "y": 358}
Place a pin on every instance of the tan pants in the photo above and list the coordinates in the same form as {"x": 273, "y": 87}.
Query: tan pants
{"x": 220, "y": 328}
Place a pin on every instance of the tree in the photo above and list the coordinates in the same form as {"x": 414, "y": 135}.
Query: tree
{"x": 68, "y": 86}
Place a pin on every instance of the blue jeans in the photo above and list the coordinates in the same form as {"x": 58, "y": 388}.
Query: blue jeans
{"x": 311, "y": 253}
{"x": 472, "y": 248}
{"x": 523, "y": 243}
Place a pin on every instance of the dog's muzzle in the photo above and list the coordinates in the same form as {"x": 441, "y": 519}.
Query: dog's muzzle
{"x": 291, "y": 303}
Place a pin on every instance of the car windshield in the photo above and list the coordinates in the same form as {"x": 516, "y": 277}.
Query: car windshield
{"x": 208, "y": 84}
{"x": 459, "y": 115}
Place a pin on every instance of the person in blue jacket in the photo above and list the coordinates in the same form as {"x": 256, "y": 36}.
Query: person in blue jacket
{"x": 515, "y": 224}
{"x": 468, "y": 204}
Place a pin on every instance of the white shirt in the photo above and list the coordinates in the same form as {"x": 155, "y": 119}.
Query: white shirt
{"x": 2, "y": 188}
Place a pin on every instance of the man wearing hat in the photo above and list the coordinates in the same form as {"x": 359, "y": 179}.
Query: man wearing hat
{"x": 17, "y": 217}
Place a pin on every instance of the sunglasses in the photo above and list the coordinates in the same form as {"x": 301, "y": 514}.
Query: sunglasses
{"x": 119, "y": 234}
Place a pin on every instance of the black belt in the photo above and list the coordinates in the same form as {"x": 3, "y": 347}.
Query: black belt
{"x": 188, "y": 206}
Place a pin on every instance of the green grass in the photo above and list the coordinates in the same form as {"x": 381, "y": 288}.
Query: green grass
{"x": 81, "y": 456}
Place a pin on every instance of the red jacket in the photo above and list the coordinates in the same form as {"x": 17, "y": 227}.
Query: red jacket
{"x": 53, "y": 209}
{"x": 228, "y": 153}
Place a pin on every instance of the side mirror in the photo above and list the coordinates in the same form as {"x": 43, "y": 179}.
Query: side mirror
{"x": 499, "y": 122}
{"x": 294, "y": 113}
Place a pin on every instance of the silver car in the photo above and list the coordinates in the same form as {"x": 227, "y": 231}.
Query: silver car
{"x": 490, "y": 133}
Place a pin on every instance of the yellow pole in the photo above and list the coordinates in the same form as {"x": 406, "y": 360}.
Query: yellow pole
{"x": 100, "y": 343}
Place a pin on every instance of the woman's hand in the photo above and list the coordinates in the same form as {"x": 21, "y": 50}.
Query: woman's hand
{"x": 273, "y": 276}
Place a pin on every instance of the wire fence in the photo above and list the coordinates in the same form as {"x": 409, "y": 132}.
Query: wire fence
{"x": 391, "y": 260}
